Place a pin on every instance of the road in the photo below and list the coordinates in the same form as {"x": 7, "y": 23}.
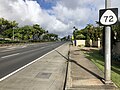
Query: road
{"x": 13, "y": 58}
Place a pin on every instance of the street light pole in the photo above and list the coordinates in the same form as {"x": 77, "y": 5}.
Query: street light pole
{"x": 13, "y": 34}
{"x": 107, "y": 75}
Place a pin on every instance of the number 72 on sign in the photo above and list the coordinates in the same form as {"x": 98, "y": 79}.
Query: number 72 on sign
{"x": 108, "y": 16}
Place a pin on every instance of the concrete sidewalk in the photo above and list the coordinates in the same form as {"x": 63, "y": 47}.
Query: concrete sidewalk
{"x": 83, "y": 74}
{"x": 48, "y": 73}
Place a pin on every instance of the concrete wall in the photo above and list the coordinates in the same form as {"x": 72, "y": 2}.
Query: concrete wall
{"x": 92, "y": 44}
{"x": 80, "y": 42}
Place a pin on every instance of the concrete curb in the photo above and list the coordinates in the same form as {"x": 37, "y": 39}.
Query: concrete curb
{"x": 68, "y": 73}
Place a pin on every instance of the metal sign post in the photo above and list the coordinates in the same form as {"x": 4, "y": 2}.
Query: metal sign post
{"x": 107, "y": 75}
{"x": 108, "y": 17}
{"x": 107, "y": 72}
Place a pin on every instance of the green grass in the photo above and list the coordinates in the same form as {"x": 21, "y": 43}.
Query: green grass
{"x": 98, "y": 59}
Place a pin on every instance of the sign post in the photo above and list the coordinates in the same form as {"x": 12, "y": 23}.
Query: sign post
{"x": 107, "y": 68}
{"x": 108, "y": 17}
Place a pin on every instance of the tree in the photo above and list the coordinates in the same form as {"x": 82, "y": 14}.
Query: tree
{"x": 89, "y": 32}
{"x": 80, "y": 36}
{"x": 8, "y": 29}
{"x": 26, "y": 32}
{"x": 5, "y": 25}
{"x": 38, "y": 30}
{"x": 7, "y": 33}
{"x": 116, "y": 31}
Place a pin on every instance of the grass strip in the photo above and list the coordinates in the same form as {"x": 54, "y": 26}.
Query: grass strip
{"x": 98, "y": 60}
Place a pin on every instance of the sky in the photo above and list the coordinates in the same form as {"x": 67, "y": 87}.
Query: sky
{"x": 56, "y": 16}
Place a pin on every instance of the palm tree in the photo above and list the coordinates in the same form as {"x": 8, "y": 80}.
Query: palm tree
{"x": 38, "y": 30}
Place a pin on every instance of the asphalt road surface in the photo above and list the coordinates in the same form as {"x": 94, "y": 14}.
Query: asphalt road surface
{"x": 13, "y": 58}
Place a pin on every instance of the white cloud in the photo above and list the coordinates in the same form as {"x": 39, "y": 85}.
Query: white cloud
{"x": 60, "y": 19}
{"x": 30, "y": 12}
{"x": 116, "y": 4}
{"x": 76, "y": 12}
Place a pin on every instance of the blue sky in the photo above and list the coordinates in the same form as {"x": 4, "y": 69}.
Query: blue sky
{"x": 46, "y": 5}
{"x": 56, "y": 16}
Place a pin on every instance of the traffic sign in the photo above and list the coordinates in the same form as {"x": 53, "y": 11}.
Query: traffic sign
{"x": 108, "y": 16}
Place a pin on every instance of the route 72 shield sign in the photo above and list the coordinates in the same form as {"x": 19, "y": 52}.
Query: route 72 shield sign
{"x": 108, "y": 16}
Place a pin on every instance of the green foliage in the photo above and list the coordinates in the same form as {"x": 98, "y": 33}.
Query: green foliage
{"x": 92, "y": 32}
{"x": 89, "y": 32}
{"x": 50, "y": 37}
{"x": 35, "y": 32}
{"x": 5, "y": 24}
{"x": 7, "y": 33}
{"x": 81, "y": 36}
{"x": 98, "y": 60}
{"x": 116, "y": 29}
{"x": 8, "y": 42}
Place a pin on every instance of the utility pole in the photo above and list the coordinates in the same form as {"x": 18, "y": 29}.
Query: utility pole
{"x": 107, "y": 75}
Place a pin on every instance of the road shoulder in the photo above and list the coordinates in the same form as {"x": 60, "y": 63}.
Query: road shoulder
{"x": 48, "y": 73}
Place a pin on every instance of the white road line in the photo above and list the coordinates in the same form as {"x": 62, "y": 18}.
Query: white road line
{"x": 5, "y": 50}
{"x": 32, "y": 50}
{"x": 42, "y": 47}
{"x": 10, "y": 55}
{"x": 12, "y": 48}
{"x": 28, "y": 64}
{"x": 24, "y": 46}
{"x": 20, "y": 53}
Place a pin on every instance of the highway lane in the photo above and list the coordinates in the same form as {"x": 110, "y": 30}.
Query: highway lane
{"x": 18, "y": 57}
{"x": 18, "y": 49}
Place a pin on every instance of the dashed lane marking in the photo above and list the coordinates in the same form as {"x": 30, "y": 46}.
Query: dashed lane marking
{"x": 10, "y": 55}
